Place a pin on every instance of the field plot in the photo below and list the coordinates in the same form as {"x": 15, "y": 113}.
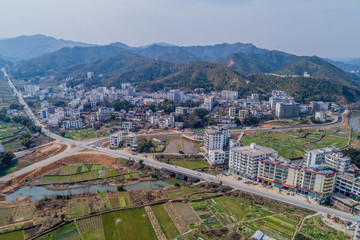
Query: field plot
{"x": 6, "y": 96}
{"x": 315, "y": 228}
{"x": 10, "y": 135}
{"x": 205, "y": 214}
{"x": 124, "y": 224}
{"x": 294, "y": 143}
{"x": 124, "y": 199}
{"x": 91, "y": 228}
{"x": 18, "y": 235}
{"x": 176, "y": 193}
{"x": 80, "y": 168}
{"x": 186, "y": 213}
{"x": 68, "y": 232}
{"x": 105, "y": 200}
{"x": 6, "y": 215}
{"x": 237, "y": 209}
{"x": 24, "y": 213}
{"x": 221, "y": 213}
{"x": 166, "y": 224}
{"x": 78, "y": 208}
{"x": 83, "y": 134}
{"x": 281, "y": 226}
{"x": 191, "y": 163}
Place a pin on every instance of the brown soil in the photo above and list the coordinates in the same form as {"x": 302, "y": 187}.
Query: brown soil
{"x": 179, "y": 223}
{"x": 145, "y": 197}
{"x": 105, "y": 144}
{"x": 79, "y": 158}
{"x": 42, "y": 153}
{"x": 155, "y": 223}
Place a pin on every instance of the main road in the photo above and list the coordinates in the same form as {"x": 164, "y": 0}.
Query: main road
{"x": 187, "y": 172}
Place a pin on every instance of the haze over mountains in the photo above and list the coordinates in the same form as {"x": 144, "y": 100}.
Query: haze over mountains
{"x": 223, "y": 66}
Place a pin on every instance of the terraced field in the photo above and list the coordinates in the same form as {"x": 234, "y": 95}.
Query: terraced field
{"x": 91, "y": 228}
{"x": 67, "y": 231}
{"x": 166, "y": 224}
{"x": 6, "y": 215}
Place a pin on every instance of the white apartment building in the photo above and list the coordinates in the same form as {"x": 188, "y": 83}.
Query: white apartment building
{"x": 131, "y": 139}
{"x": 216, "y": 157}
{"x": 337, "y": 161}
{"x": 232, "y": 112}
{"x": 317, "y": 156}
{"x": 349, "y": 185}
{"x": 216, "y": 138}
{"x": 116, "y": 139}
{"x": 127, "y": 125}
{"x": 244, "y": 161}
{"x": 181, "y": 110}
{"x": 72, "y": 124}
{"x": 230, "y": 95}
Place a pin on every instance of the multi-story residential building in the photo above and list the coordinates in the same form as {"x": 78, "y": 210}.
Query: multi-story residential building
{"x": 278, "y": 172}
{"x": 216, "y": 157}
{"x": 338, "y": 161}
{"x": 216, "y": 138}
{"x": 209, "y": 103}
{"x": 176, "y": 95}
{"x": 181, "y": 110}
{"x": 244, "y": 160}
{"x": 316, "y": 182}
{"x": 317, "y": 156}
{"x": 230, "y": 95}
{"x": 104, "y": 113}
{"x": 349, "y": 185}
{"x": 127, "y": 125}
{"x": 131, "y": 140}
{"x": 73, "y": 124}
{"x": 232, "y": 112}
{"x": 243, "y": 113}
{"x": 116, "y": 139}
{"x": 31, "y": 89}
{"x": 287, "y": 110}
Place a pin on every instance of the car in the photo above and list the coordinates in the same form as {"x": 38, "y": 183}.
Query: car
{"x": 199, "y": 174}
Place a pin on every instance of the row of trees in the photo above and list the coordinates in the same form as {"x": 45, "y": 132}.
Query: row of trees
{"x": 6, "y": 159}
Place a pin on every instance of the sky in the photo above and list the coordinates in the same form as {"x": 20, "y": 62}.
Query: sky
{"x": 326, "y": 28}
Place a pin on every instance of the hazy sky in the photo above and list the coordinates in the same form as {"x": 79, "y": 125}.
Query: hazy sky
{"x": 327, "y": 28}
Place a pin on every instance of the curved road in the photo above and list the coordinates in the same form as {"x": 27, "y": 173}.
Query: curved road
{"x": 188, "y": 172}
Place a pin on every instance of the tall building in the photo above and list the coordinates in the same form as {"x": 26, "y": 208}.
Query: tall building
{"x": 175, "y": 95}
{"x": 317, "y": 156}
{"x": 316, "y": 182}
{"x": 338, "y": 161}
{"x": 116, "y": 139}
{"x": 216, "y": 138}
{"x": 232, "y": 112}
{"x": 230, "y": 95}
{"x": 216, "y": 157}
{"x": 244, "y": 160}
{"x": 287, "y": 110}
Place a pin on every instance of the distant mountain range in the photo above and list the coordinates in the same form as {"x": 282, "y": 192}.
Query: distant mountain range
{"x": 242, "y": 67}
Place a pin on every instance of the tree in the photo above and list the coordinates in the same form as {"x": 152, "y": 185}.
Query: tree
{"x": 237, "y": 121}
{"x": 26, "y": 142}
{"x": 16, "y": 106}
{"x": 5, "y": 158}
{"x": 250, "y": 120}
{"x": 144, "y": 145}
{"x": 354, "y": 155}
{"x": 120, "y": 188}
{"x": 122, "y": 104}
{"x": 60, "y": 103}
{"x": 201, "y": 113}
{"x": 87, "y": 106}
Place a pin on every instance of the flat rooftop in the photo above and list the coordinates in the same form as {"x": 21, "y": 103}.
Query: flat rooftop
{"x": 258, "y": 150}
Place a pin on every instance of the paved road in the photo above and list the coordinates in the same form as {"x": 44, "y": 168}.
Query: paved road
{"x": 181, "y": 170}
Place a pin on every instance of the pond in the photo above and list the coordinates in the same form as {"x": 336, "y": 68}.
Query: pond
{"x": 39, "y": 192}
{"x": 353, "y": 122}
{"x": 154, "y": 185}
{"x": 181, "y": 144}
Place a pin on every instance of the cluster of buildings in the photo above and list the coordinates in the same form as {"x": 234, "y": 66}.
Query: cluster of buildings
{"x": 321, "y": 172}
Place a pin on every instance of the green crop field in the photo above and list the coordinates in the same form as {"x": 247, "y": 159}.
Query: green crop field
{"x": 220, "y": 211}
{"x": 18, "y": 235}
{"x": 105, "y": 200}
{"x": 166, "y": 224}
{"x": 205, "y": 214}
{"x": 233, "y": 206}
{"x": 6, "y": 96}
{"x": 190, "y": 163}
{"x": 125, "y": 224}
{"x": 78, "y": 208}
{"x": 124, "y": 199}
{"x": 83, "y": 134}
{"x": 315, "y": 228}
{"x": 292, "y": 144}
{"x": 67, "y": 231}
{"x": 10, "y": 135}
{"x": 91, "y": 228}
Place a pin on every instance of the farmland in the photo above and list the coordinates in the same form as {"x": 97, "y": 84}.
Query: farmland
{"x": 123, "y": 225}
{"x": 91, "y": 228}
{"x": 78, "y": 208}
{"x": 190, "y": 163}
{"x": 6, "y": 96}
{"x": 67, "y": 231}
{"x": 167, "y": 225}
{"x": 18, "y": 235}
{"x": 295, "y": 143}
{"x": 83, "y": 134}
{"x": 315, "y": 228}
{"x": 10, "y": 134}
